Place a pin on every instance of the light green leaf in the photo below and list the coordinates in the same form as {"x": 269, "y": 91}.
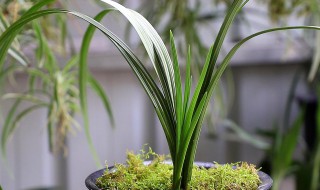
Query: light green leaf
{"x": 6, "y": 127}
{"x": 102, "y": 95}
{"x": 179, "y": 112}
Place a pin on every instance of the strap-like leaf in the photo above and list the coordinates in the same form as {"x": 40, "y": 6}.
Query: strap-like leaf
{"x": 84, "y": 78}
{"x": 196, "y": 97}
{"x": 152, "y": 43}
{"x": 179, "y": 112}
{"x": 231, "y": 14}
{"x": 6, "y": 43}
{"x": 6, "y": 127}
{"x": 283, "y": 157}
{"x": 188, "y": 81}
{"x": 97, "y": 88}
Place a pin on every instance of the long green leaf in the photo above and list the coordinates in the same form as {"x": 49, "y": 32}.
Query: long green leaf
{"x": 196, "y": 95}
{"x": 70, "y": 64}
{"x": 50, "y": 127}
{"x": 153, "y": 44}
{"x": 83, "y": 78}
{"x": 6, "y": 127}
{"x": 102, "y": 95}
{"x": 231, "y": 53}
{"x": 315, "y": 177}
{"x": 21, "y": 115}
{"x": 245, "y": 136}
{"x": 231, "y": 14}
{"x": 283, "y": 157}
{"x": 7, "y": 42}
{"x": 8, "y": 70}
{"x": 25, "y": 97}
{"x": 188, "y": 81}
{"x": 178, "y": 100}
{"x": 38, "y": 6}
{"x": 18, "y": 56}
{"x": 142, "y": 74}
{"x": 178, "y": 178}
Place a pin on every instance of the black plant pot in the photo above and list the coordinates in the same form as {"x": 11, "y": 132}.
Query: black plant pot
{"x": 91, "y": 179}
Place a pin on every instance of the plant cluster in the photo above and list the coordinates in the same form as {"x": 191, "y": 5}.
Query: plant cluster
{"x": 278, "y": 9}
{"x": 137, "y": 175}
{"x": 52, "y": 84}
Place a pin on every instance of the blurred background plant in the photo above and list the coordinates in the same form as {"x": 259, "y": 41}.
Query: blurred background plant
{"x": 45, "y": 52}
{"x": 309, "y": 10}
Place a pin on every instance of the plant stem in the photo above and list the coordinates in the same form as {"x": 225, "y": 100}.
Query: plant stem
{"x": 316, "y": 170}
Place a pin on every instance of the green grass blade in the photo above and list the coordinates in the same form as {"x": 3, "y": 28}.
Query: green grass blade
{"x": 6, "y": 43}
{"x": 39, "y": 74}
{"x": 231, "y": 53}
{"x": 316, "y": 60}
{"x": 7, "y": 123}
{"x": 84, "y": 78}
{"x": 4, "y": 22}
{"x": 315, "y": 177}
{"x": 186, "y": 140}
{"x": 153, "y": 44}
{"x": 95, "y": 85}
{"x": 207, "y": 84}
{"x": 45, "y": 53}
{"x": 315, "y": 170}
{"x": 38, "y": 6}
{"x": 31, "y": 83}
{"x": 245, "y": 136}
{"x": 25, "y": 97}
{"x": 178, "y": 101}
{"x": 283, "y": 157}
{"x": 18, "y": 56}
{"x": 188, "y": 81}
{"x": 50, "y": 127}
{"x": 8, "y": 70}
{"x": 22, "y": 114}
{"x": 144, "y": 77}
{"x": 196, "y": 94}
{"x": 231, "y": 14}
{"x": 71, "y": 64}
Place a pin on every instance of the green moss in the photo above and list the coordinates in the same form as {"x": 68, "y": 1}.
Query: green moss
{"x": 158, "y": 176}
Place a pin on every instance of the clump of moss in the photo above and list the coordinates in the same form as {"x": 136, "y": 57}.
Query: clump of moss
{"x": 135, "y": 175}
{"x": 227, "y": 177}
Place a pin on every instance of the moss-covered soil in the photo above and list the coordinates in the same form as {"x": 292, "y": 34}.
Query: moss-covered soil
{"x": 135, "y": 175}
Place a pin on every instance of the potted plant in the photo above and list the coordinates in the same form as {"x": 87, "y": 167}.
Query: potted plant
{"x": 180, "y": 114}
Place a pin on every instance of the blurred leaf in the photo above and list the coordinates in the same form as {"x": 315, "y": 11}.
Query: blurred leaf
{"x": 84, "y": 78}
{"x": 284, "y": 150}
{"x": 21, "y": 115}
{"x": 245, "y": 136}
{"x": 18, "y": 56}
{"x": 26, "y": 97}
{"x": 97, "y": 88}
{"x": 316, "y": 59}
{"x": 6, "y": 127}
